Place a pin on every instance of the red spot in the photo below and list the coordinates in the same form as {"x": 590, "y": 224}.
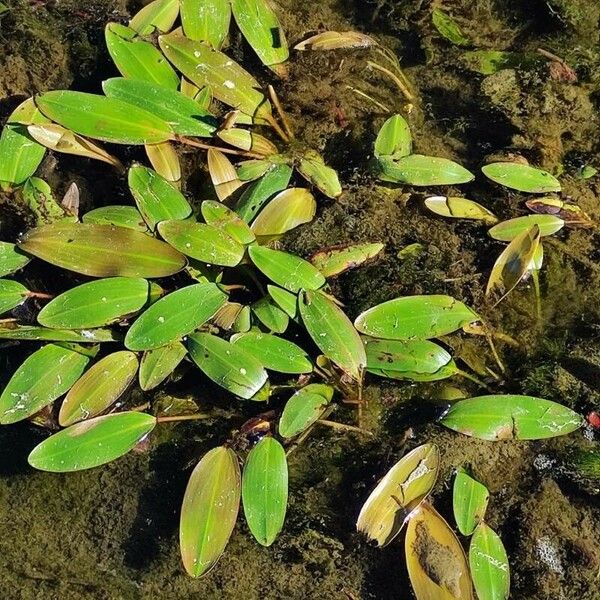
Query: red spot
{"x": 594, "y": 419}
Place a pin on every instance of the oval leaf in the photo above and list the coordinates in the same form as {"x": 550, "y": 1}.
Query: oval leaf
{"x": 14, "y": 331}
{"x": 158, "y": 364}
{"x": 394, "y": 138}
{"x": 11, "y": 259}
{"x": 121, "y": 216}
{"x": 460, "y": 208}
{"x": 405, "y": 356}
{"x": 420, "y": 170}
{"x": 523, "y": 178}
{"x": 218, "y": 215}
{"x": 12, "y": 293}
{"x": 288, "y": 209}
{"x": 304, "y": 408}
{"x": 509, "y": 230}
{"x": 336, "y": 260}
{"x": 324, "y": 178}
{"x": 159, "y": 14}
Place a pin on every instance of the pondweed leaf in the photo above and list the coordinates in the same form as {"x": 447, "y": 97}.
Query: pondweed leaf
{"x": 336, "y": 260}
{"x": 286, "y": 211}
{"x": 287, "y": 301}
{"x": 420, "y": 170}
{"x": 156, "y": 198}
{"x": 448, "y": 370}
{"x": 460, "y": 208}
{"x": 206, "y": 20}
{"x": 165, "y": 161}
{"x": 14, "y": 331}
{"x": 265, "y": 490}
{"x": 304, "y": 408}
{"x": 394, "y": 138}
{"x": 209, "y": 510}
{"x": 12, "y": 293}
{"x": 11, "y": 260}
{"x": 121, "y": 216}
{"x": 261, "y": 28}
{"x": 433, "y": 578}
{"x": 333, "y": 332}
{"x": 95, "y": 303}
{"x": 220, "y": 216}
{"x": 91, "y": 443}
{"x": 402, "y": 489}
{"x": 274, "y": 353}
{"x": 506, "y": 231}
{"x": 102, "y": 250}
{"x": 511, "y": 417}
{"x": 102, "y": 118}
{"x": 156, "y": 365}
{"x": 247, "y": 140}
{"x": 158, "y": 14}
{"x": 415, "y": 317}
{"x": 222, "y": 174}
{"x": 184, "y": 115}
{"x": 268, "y": 312}
{"x": 227, "y": 365}
{"x": 287, "y": 270}
{"x": 98, "y": 388}
{"x": 250, "y": 170}
{"x": 333, "y": 40}
{"x": 488, "y": 62}
{"x": 570, "y": 213}
{"x": 203, "y": 242}
{"x": 313, "y": 168}
{"x": 489, "y": 564}
{"x": 44, "y": 376}
{"x": 258, "y": 193}
{"x": 523, "y": 178}
{"x": 39, "y": 199}
{"x": 174, "y": 316}
{"x": 448, "y": 28}
{"x": 469, "y": 502}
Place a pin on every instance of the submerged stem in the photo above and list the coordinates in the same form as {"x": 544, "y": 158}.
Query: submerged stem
{"x": 401, "y": 85}
{"x": 176, "y": 418}
{"x": 40, "y": 295}
{"x": 474, "y": 379}
{"x": 538, "y": 298}
{"x": 343, "y": 427}
{"x": 280, "y": 111}
{"x": 196, "y": 144}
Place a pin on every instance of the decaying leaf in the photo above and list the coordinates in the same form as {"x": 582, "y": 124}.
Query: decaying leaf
{"x": 460, "y": 208}
{"x": 334, "y": 40}
{"x": 222, "y": 174}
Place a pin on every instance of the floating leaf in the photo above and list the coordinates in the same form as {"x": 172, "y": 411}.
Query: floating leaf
{"x": 156, "y": 198}
{"x": 103, "y": 118}
{"x": 437, "y": 565}
{"x": 265, "y": 490}
{"x": 271, "y": 315}
{"x": 11, "y": 259}
{"x": 91, "y": 443}
{"x": 460, "y": 208}
{"x": 203, "y": 242}
{"x": 159, "y": 14}
{"x": 138, "y": 59}
{"x": 420, "y": 170}
{"x": 469, "y": 502}
{"x": 509, "y": 230}
{"x": 261, "y": 28}
{"x": 489, "y": 564}
{"x": 44, "y": 376}
{"x": 165, "y": 161}
{"x": 40, "y": 200}
{"x": 523, "y": 178}
{"x": 156, "y": 365}
{"x": 14, "y": 331}
{"x": 336, "y": 260}
{"x": 206, "y": 20}
{"x": 402, "y": 489}
{"x": 174, "y": 316}
{"x": 102, "y": 250}
{"x": 287, "y": 210}
{"x": 448, "y": 28}
{"x": 394, "y": 138}
{"x": 98, "y": 388}
{"x": 247, "y": 140}
{"x": 333, "y": 40}
{"x": 508, "y": 417}
{"x": 274, "y": 353}
{"x": 120, "y": 216}
{"x": 287, "y": 270}
{"x": 313, "y": 168}
{"x": 488, "y": 62}
{"x": 287, "y": 301}
{"x": 218, "y": 215}
{"x": 209, "y": 510}
{"x": 184, "y": 115}
{"x": 222, "y": 174}
{"x": 249, "y": 170}
{"x": 410, "y": 317}
{"x": 95, "y": 304}
{"x": 12, "y": 293}
{"x": 227, "y": 365}
{"x": 570, "y": 213}
{"x": 304, "y": 408}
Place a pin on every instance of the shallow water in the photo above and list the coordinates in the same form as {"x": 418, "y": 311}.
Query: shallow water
{"x": 111, "y": 533}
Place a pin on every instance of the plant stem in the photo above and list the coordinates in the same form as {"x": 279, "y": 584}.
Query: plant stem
{"x": 177, "y": 418}
{"x": 343, "y": 427}
{"x": 358, "y": 92}
{"x": 280, "y": 111}
{"x": 474, "y": 379}
{"x": 538, "y": 298}
{"x": 195, "y": 144}
{"x": 401, "y": 85}
{"x": 275, "y": 125}
{"x": 40, "y": 295}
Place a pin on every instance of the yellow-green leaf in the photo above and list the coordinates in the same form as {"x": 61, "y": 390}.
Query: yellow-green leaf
{"x": 460, "y": 208}
{"x": 286, "y": 211}
{"x": 206, "y": 20}
{"x": 336, "y": 260}
{"x": 304, "y": 408}
{"x": 394, "y": 138}
{"x": 313, "y": 168}
{"x": 158, "y": 14}
{"x": 12, "y": 293}
{"x": 11, "y": 259}
{"x": 507, "y": 231}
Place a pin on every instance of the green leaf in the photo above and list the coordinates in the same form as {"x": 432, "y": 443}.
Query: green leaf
{"x": 12, "y": 293}
{"x": 261, "y": 28}
{"x": 206, "y": 20}
{"x": 336, "y": 260}
{"x": 256, "y": 195}
{"x": 249, "y": 170}
{"x": 14, "y": 331}
{"x": 286, "y": 211}
{"x": 304, "y": 408}
{"x": 448, "y": 370}
{"x": 209, "y": 510}
{"x": 509, "y": 230}
{"x": 415, "y": 317}
{"x": 420, "y": 170}
{"x": 156, "y": 199}
{"x": 523, "y": 178}
{"x": 394, "y": 138}
{"x": 469, "y": 502}
{"x": 287, "y": 301}
{"x": 39, "y": 199}
{"x": 315, "y": 171}
{"x": 228, "y": 82}
{"x": 460, "y": 208}
{"x": 271, "y": 315}
{"x": 448, "y": 28}
{"x": 11, "y": 259}
{"x": 98, "y": 388}
{"x": 265, "y": 490}
{"x": 218, "y": 215}
{"x": 174, "y": 316}
{"x": 403, "y": 488}
{"x": 159, "y": 14}
{"x": 102, "y": 250}
{"x": 20, "y": 154}
{"x": 333, "y": 333}
{"x": 287, "y": 270}
{"x": 511, "y": 417}
{"x": 103, "y": 118}
{"x": 227, "y": 365}
{"x": 121, "y": 216}
{"x": 488, "y": 62}
{"x": 274, "y": 353}
{"x": 95, "y": 304}
{"x": 91, "y": 443}
{"x": 158, "y": 364}
{"x": 184, "y": 115}
{"x": 44, "y": 376}
{"x": 489, "y": 565}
